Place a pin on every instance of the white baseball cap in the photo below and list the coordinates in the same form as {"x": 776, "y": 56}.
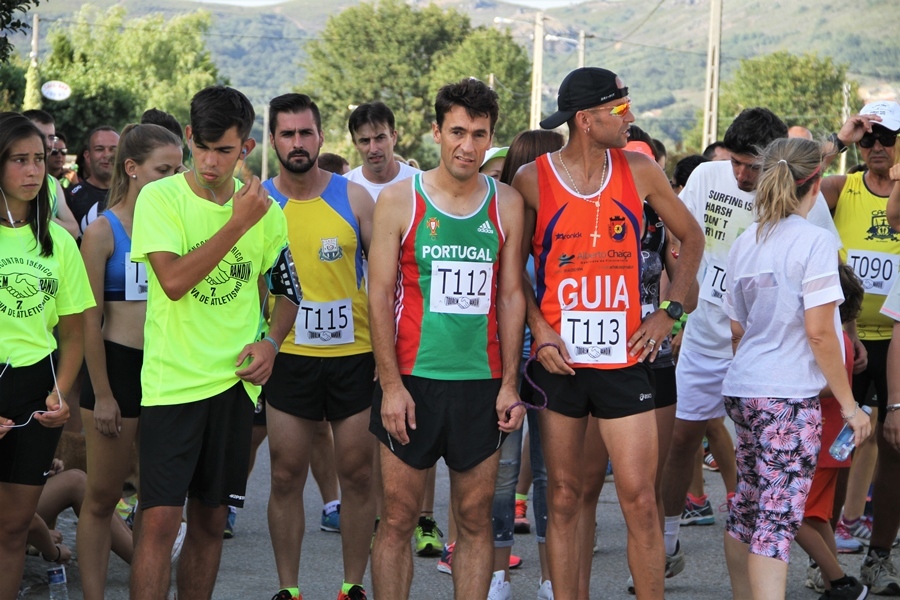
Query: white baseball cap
{"x": 887, "y": 110}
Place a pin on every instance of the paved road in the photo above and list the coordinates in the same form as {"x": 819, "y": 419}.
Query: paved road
{"x": 248, "y": 572}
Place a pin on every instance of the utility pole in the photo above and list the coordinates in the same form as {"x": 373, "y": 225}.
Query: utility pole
{"x": 845, "y": 114}
{"x": 581, "y": 36}
{"x": 32, "y": 97}
{"x": 537, "y": 68}
{"x": 35, "y": 23}
{"x": 713, "y": 56}
{"x": 491, "y": 81}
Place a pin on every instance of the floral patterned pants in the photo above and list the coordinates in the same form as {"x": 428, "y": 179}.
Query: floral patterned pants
{"x": 778, "y": 441}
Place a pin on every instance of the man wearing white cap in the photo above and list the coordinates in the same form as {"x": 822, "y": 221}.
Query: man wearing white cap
{"x": 871, "y": 247}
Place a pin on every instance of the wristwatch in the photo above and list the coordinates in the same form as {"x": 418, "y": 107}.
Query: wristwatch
{"x": 673, "y": 309}
{"x": 839, "y": 146}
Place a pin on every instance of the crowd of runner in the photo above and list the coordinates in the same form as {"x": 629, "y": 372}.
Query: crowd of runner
{"x": 372, "y": 321}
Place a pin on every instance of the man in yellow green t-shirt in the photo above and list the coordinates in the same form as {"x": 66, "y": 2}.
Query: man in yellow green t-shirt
{"x": 209, "y": 242}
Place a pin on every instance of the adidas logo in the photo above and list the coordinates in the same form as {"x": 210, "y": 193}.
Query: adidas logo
{"x": 485, "y": 227}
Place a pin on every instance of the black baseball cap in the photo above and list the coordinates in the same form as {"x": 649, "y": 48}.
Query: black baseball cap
{"x": 582, "y": 89}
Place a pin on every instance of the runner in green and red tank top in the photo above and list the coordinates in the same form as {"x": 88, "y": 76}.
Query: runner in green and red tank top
{"x": 447, "y": 314}
{"x": 582, "y": 223}
{"x": 446, "y": 311}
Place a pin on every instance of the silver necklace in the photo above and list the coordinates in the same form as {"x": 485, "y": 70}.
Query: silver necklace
{"x": 596, "y": 201}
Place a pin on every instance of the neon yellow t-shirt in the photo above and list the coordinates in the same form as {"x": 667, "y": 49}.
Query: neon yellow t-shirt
{"x": 36, "y": 290}
{"x": 191, "y": 345}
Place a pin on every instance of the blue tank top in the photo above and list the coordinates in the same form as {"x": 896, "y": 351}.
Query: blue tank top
{"x": 114, "y": 280}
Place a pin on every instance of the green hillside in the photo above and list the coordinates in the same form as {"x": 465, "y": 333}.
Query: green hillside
{"x": 658, "y": 47}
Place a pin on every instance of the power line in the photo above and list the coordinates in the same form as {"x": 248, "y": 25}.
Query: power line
{"x": 640, "y": 24}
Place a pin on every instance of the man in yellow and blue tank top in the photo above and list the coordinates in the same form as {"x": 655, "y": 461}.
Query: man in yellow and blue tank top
{"x": 447, "y": 313}
{"x": 871, "y": 246}
{"x": 325, "y": 369}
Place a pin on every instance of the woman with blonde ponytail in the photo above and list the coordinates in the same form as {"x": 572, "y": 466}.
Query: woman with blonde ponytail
{"x": 783, "y": 290}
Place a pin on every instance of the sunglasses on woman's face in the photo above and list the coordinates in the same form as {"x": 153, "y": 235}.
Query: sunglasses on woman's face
{"x": 887, "y": 138}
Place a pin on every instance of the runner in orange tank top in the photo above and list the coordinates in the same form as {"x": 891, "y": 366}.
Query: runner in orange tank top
{"x": 583, "y": 209}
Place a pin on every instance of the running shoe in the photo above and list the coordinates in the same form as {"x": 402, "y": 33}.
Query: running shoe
{"x": 629, "y": 585}
{"x": 357, "y": 592}
{"x": 446, "y": 560}
{"x": 849, "y": 588}
{"x": 675, "y": 562}
{"x": 880, "y": 575}
{"x": 331, "y": 521}
{"x": 814, "y": 579}
{"x": 846, "y": 543}
{"x": 514, "y": 561}
{"x": 697, "y": 514}
{"x": 500, "y": 589}
{"x": 229, "y": 524}
{"x": 522, "y": 524}
{"x": 709, "y": 463}
{"x": 545, "y": 592}
{"x": 179, "y": 542}
{"x": 428, "y": 537}
{"x": 861, "y": 528}
{"x": 288, "y": 594}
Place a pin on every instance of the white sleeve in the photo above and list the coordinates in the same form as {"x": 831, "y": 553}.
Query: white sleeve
{"x": 821, "y": 282}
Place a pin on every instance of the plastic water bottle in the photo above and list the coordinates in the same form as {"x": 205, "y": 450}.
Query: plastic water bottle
{"x": 57, "y": 577}
{"x": 843, "y": 445}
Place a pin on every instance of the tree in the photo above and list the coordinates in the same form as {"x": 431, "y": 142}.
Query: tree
{"x": 10, "y": 23}
{"x": 803, "y": 90}
{"x": 383, "y": 51}
{"x": 118, "y": 68}
{"x": 12, "y": 84}
{"x": 487, "y": 52}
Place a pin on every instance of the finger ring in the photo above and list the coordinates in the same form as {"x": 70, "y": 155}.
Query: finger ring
{"x": 651, "y": 342}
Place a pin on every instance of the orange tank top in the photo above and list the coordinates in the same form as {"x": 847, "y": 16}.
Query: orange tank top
{"x": 587, "y": 263}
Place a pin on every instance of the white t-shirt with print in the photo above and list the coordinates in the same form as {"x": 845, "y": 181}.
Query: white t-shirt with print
{"x": 724, "y": 212}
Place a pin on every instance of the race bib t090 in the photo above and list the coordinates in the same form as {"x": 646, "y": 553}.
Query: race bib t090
{"x": 461, "y": 288}
{"x": 713, "y": 287}
{"x": 875, "y": 269}
{"x": 135, "y": 279}
{"x": 594, "y": 337}
{"x": 324, "y": 323}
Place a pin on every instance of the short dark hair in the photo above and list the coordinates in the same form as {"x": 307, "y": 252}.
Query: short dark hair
{"x": 292, "y": 103}
{"x": 333, "y": 163}
{"x": 39, "y": 116}
{"x": 95, "y": 130}
{"x": 753, "y": 130}
{"x": 217, "y": 109}
{"x": 62, "y": 137}
{"x": 477, "y": 98}
{"x": 370, "y": 113}
{"x": 710, "y": 151}
{"x": 659, "y": 149}
{"x": 853, "y": 291}
{"x": 686, "y": 166}
{"x": 154, "y": 116}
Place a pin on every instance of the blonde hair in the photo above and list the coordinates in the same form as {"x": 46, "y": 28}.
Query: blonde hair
{"x": 137, "y": 143}
{"x": 790, "y": 168}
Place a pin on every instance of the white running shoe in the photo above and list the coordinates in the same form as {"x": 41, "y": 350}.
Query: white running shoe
{"x": 500, "y": 588}
{"x": 545, "y": 592}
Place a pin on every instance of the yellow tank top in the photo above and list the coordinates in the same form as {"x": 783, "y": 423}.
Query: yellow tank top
{"x": 871, "y": 248}
{"x": 324, "y": 237}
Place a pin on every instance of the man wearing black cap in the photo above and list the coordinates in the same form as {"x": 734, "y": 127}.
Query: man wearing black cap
{"x": 583, "y": 224}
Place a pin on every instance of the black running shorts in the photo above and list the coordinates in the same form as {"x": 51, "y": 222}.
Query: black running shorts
{"x": 456, "y": 420}
{"x": 197, "y": 449}
{"x": 123, "y": 368}
{"x": 603, "y": 393}
{"x": 26, "y": 453}
{"x": 319, "y": 389}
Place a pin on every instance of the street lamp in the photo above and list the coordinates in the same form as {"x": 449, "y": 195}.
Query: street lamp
{"x": 579, "y": 43}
